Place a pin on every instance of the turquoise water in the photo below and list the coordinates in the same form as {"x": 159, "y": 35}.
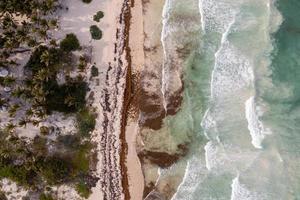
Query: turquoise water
{"x": 241, "y": 106}
{"x": 284, "y": 96}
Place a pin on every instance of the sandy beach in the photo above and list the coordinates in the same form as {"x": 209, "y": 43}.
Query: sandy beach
{"x": 109, "y": 55}
{"x": 126, "y": 52}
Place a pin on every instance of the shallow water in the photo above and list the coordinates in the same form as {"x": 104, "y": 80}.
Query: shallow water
{"x": 241, "y": 105}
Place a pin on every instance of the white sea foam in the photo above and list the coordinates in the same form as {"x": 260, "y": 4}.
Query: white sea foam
{"x": 213, "y": 156}
{"x": 255, "y": 126}
{"x": 195, "y": 173}
{"x": 208, "y": 123}
{"x": 164, "y": 33}
{"x": 210, "y": 155}
{"x": 240, "y": 192}
{"x": 216, "y": 15}
{"x": 201, "y": 11}
{"x": 232, "y": 70}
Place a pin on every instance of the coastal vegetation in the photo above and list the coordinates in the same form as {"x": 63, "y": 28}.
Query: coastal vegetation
{"x": 70, "y": 43}
{"x": 94, "y": 71}
{"x": 49, "y": 158}
{"x": 83, "y": 190}
{"x": 99, "y": 15}
{"x": 96, "y": 33}
{"x": 87, "y": 1}
{"x": 46, "y": 197}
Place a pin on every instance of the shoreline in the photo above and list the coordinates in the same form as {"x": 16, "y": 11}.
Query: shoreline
{"x": 125, "y": 18}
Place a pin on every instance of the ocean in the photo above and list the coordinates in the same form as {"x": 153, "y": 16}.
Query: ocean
{"x": 240, "y": 113}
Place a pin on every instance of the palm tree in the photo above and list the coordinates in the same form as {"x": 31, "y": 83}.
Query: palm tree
{"x": 10, "y": 127}
{"x": 43, "y": 74}
{"x": 5, "y": 153}
{"x": 42, "y": 33}
{"x": 35, "y": 123}
{"x": 23, "y": 122}
{"x": 70, "y": 100}
{"x": 53, "y": 23}
{"x": 44, "y": 23}
{"x": 40, "y": 114}
{"x": 29, "y": 112}
{"x": 13, "y": 110}
{"x": 9, "y": 80}
{"x": 3, "y": 102}
{"x": 45, "y": 57}
{"x": 18, "y": 92}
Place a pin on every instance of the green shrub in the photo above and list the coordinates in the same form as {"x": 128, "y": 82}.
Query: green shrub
{"x": 71, "y": 142}
{"x": 46, "y": 197}
{"x": 86, "y": 122}
{"x": 36, "y": 63}
{"x": 80, "y": 158}
{"x": 17, "y": 174}
{"x": 54, "y": 169}
{"x": 96, "y": 33}
{"x": 37, "y": 165}
{"x": 39, "y": 146}
{"x": 83, "y": 190}
{"x": 70, "y": 43}
{"x": 94, "y": 71}
{"x": 66, "y": 98}
{"x": 98, "y": 16}
{"x": 86, "y": 1}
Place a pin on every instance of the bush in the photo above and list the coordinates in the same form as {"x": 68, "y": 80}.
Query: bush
{"x": 70, "y": 43}
{"x": 31, "y": 164}
{"x": 17, "y": 174}
{"x": 67, "y": 98}
{"x": 98, "y": 16}
{"x": 80, "y": 159}
{"x": 83, "y": 190}
{"x": 71, "y": 142}
{"x": 94, "y": 71}
{"x": 86, "y": 122}
{"x": 86, "y": 1}
{"x": 35, "y": 62}
{"x": 96, "y": 33}
{"x": 39, "y": 146}
{"x": 54, "y": 169}
{"x": 46, "y": 197}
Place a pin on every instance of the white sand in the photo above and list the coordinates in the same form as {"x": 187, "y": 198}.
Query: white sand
{"x": 11, "y": 189}
{"x": 78, "y": 19}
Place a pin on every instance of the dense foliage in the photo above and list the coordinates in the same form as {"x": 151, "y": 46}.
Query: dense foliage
{"x": 24, "y": 26}
{"x": 24, "y": 23}
{"x": 34, "y": 165}
{"x": 96, "y": 33}
{"x": 70, "y": 43}
{"x": 46, "y": 197}
{"x": 27, "y": 7}
{"x": 99, "y": 15}
{"x": 43, "y": 89}
{"x": 69, "y": 97}
{"x": 86, "y": 122}
{"x": 87, "y": 1}
{"x": 83, "y": 190}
